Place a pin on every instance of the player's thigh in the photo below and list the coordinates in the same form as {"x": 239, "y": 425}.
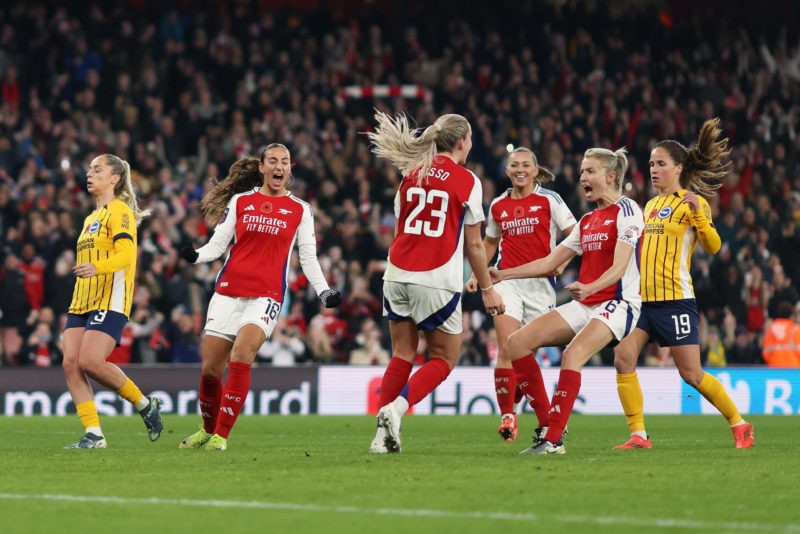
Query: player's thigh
{"x": 548, "y": 330}
{"x": 214, "y": 351}
{"x": 591, "y": 339}
{"x": 444, "y": 345}
{"x": 626, "y": 353}
{"x": 248, "y": 341}
{"x": 405, "y": 338}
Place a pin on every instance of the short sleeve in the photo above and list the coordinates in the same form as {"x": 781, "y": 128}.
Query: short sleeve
{"x": 573, "y": 240}
{"x": 474, "y": 205}
{"x": 630, "y": 222}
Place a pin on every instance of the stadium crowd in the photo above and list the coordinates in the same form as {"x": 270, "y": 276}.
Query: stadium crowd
{"x": 182, "y": 90}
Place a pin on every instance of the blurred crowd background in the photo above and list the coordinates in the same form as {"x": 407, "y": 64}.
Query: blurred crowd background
{"x": 181, "y": 89}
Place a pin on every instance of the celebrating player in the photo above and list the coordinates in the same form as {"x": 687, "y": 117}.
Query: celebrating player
{"x": 265, "y": 220}
{"x": 606, "y": 298}
{"x": 676, "y": 219}
{"x": 101, "y": 302}
{"x": 438, "y": 208}
{"x": 522, "y": 224}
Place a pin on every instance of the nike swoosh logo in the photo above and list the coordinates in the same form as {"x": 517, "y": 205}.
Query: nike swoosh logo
{"x": 678, "y": 338}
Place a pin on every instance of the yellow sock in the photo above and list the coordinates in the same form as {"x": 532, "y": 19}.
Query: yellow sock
{"x": 714, "y": 392}
{"x": 131, "y": 393}
{"x": 87, "y": 413}
{"x": 630, "y": 395}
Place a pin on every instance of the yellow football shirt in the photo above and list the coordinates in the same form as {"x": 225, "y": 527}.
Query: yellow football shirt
{"x": 671, "y": 232}
{"x": 108, "y": 240}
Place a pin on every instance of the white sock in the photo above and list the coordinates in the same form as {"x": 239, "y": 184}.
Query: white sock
{"x": 641, "y": 433}
{"x": 739, "y": 423}
{"x": 401, "y": 405}
{"x": 94, "y": 430}
{"x": 142, "y": 404}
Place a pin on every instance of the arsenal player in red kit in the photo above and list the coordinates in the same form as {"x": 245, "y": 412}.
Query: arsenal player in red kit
{"x": 439, "y": 214}
{"x": 606, "y": 300}
{"x": 522, "y": 226}
{"x": 265, "y": 221}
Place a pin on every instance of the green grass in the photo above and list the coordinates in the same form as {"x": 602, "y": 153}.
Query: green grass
{"x": 313, "y": 474}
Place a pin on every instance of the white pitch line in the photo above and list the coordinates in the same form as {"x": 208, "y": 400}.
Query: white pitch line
{"x": 419, "y": 512}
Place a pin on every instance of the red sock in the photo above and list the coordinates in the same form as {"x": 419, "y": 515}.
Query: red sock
{"x": 569, "y": 384}
{"x": 425, "y": 380}
{"x": 530, "y": 380}
{"x": 394, "y": 380}
{"x": 233, "y": 396}
{"x": 517, "y": 392}
{"x": 505, "y": 387}
{"x": 210, "y": 395}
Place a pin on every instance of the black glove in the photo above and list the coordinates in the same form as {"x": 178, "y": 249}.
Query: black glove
{"x": 330, "y": 298}
{"x": 189, "y": 254}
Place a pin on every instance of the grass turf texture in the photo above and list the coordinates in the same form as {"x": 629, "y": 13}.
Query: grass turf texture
{"x": 313, "y": 474}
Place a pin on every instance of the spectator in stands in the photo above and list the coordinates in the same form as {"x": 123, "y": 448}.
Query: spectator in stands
{"x": 782, "y": 339}
{"x": 15, "y": 307}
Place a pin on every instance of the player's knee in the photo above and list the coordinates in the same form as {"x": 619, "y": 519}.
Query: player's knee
{"x": 692, "y": 376}
{"x": 212, "y": 370}
{"x": 89, "y": 366}
{"x": 514, "y": 348}
{"x": 624, "y": 360}
{"x": 517, "y": 347}
{"x": 70, "y": 365}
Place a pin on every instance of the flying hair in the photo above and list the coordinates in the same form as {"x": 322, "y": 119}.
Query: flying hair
{"x": 703, "y": 167}
{"x": 412, "y": 150}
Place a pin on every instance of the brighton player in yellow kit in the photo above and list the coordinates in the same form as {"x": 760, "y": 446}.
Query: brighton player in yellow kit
{"x": 675, "y": 221}
{"x": 101, "y": 302}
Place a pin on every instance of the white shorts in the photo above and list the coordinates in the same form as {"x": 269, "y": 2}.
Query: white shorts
{"x": 527, "y": 298}
{"x": 429, "y": 308}
{"x": 619, "y": 315}
{"x": 227, "y": 315}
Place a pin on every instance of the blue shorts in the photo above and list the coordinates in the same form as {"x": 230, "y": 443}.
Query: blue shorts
{"x": 670, "y": 323}
{"x": 109, "y": 322}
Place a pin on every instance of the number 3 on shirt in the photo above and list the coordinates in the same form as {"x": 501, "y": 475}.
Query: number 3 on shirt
{"x": 421, "y": 198}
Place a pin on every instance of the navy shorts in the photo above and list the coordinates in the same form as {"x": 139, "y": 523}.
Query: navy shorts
{"x": 109, "y": 322}
{"x": 670, "y": 323}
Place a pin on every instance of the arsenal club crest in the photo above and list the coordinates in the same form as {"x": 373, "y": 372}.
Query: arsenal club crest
{"x": 266, "y": 207}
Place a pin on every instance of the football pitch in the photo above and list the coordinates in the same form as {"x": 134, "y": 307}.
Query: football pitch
{"x": 313, "y": 474}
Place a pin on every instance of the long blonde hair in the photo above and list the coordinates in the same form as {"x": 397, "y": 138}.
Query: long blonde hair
{"x": 703, "y": 169}
{"x": 125, "y": 189}
{"x": 414, "y": 149}
{"x": 613, "y": 160}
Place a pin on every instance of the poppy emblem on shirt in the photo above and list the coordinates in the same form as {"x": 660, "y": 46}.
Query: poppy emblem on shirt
{"x": 94, "y": 227}
{"x": 665, "y": 212}
{"x": 519, "y": 211}
{"x": 266, "y": 207}
{"x": 653, "y": 213}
